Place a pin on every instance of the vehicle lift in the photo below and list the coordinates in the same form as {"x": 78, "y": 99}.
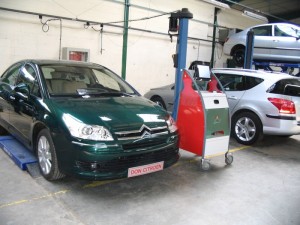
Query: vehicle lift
{"x": 285, "y": 67}
{"x": 19, "y": 154}
{"x": 202, "y": 117}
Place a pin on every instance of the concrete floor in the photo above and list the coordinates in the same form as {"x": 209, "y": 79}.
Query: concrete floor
{"x": 262, "y": 186}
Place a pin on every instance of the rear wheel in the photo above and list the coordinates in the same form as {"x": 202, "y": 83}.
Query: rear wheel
{"x": 239, "y": 56}
{"x": 3, "y": 131}
{"x": 46, "y": 154}
{"x": 246, "y": 128}
{"x": 158, "y": 100}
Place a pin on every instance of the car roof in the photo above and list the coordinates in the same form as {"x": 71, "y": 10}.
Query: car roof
{"x": 266, "y": 24}
{"x": 255, "y": 73}
{"x": 62, "y": 62}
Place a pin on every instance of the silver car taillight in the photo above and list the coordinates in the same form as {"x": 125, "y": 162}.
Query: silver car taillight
{"x": 284, "y": 106}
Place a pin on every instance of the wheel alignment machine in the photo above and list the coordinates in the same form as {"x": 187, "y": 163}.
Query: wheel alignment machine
{"x": 202, "y": 117}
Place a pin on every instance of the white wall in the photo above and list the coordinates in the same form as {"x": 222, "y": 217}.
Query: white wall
{"x": 149, "y": 59}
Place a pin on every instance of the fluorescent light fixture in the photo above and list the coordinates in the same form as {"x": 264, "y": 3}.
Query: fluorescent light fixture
{"x": 255, "y": 16}
{"x": 217, "y": 4}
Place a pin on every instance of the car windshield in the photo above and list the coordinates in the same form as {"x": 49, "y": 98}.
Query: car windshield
{"x": 83, "y": 81}
{"x": 286, "y": 86}
{"x": 286, "y": 31}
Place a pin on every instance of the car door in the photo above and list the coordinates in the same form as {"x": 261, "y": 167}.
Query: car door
{"x": 234, "y": 87}
{"x": 263, "y": 41}
{"x": 7, "y": 82}
{"x": 24, "y": 95}
{"x": 286, "y": 42}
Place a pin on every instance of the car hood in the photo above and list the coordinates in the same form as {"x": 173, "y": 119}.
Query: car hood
{"x": 115, "y": 113}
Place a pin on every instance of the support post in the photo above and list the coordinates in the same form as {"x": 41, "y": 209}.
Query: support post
{"x": 249, "y": 50}
{"x": 125, "y": 38}
{"x": 214, "y": 37}
{"x": 184, "y": 15}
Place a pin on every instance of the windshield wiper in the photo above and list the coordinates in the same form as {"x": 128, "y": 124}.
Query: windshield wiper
{"x": 86, "y": 91}
{"x": 102, "y": 92}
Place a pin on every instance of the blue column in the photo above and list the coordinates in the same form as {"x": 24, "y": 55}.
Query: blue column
{"x": 249, "y": 50}
{"x": 181, "y": 61}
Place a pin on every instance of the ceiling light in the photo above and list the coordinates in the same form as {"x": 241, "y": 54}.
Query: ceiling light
{"x": 217, "y": 4}
{"x": 255, "y": 16}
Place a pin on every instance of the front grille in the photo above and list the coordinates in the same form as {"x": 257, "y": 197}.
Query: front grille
{"x": 142, "y": 132}
{"x": 141, "y": 145}
{"x": 120, "y": 164}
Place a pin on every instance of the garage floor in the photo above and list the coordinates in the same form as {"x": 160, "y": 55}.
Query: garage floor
{"x": 262, "y": 186}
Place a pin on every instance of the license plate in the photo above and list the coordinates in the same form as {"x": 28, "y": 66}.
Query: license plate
{"x": 145, "y": 169}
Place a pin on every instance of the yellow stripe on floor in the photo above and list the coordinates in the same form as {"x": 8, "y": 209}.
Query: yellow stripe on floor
{"x": 96, "y": 184}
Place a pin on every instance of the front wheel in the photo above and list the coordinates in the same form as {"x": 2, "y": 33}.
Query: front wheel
{"x": 246, "y": 128}
{"x": 46, "y": 155}
{"x": 3, "y": 131}
{"x": 239, "y": 56}
{"x": 158, "y": 100}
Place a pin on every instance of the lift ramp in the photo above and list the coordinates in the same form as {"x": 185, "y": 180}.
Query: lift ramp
{"x": 19, "y": 154}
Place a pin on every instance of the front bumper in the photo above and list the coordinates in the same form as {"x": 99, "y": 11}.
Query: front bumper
{"x": 99, "y": 161}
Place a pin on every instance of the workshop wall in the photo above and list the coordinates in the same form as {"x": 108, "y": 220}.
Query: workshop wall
{"x": 149, "y": 59}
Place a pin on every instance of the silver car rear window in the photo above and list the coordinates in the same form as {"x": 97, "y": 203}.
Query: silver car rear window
{"x": 286, "y": 87}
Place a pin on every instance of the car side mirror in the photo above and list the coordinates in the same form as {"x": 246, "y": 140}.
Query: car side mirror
{"x": 22, "y": 91}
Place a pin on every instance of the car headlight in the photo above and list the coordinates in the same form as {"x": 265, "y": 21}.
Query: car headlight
{"x": 171, "y": 125}
{"x": 81, "y": 130}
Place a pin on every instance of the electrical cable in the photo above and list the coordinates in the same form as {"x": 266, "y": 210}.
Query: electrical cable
{"x": 45, "y": 28}
{"x": 140, "y": 19}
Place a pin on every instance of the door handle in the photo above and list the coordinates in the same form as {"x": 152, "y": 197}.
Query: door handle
{"x": 275, "y": 40}
{"x": 232, "y": 97}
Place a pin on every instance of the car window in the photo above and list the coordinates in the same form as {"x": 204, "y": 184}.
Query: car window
{"x": 286, "y": 86}
{"x": 263, "y": 30}
{"x": 251, "y": 82}
{"x": 71, "y": 80}
{"x": 28, "y": 77}
{"x": 285, "y": 31}
{"x": 11, "y": 75}
{"x": 231, "y": 82}
{"x": 106, "y": 80}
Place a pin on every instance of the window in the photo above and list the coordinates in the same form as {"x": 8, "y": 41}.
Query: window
{"x": 28, "y": 77}
{"x": 231, "y": 82}
{"x": 285, "y": 31}
{"x": 111, "y": 81}
{"x": 252, "y": 82}
{"x": 68, "y": 79}
{"x": 106, "y": 81}
{"x": 280, "y": 86}
{"x": 263, "y": 31}
{"x": 10, "y": 76}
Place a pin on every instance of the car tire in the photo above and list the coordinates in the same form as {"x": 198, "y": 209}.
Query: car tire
{"x": 46, "y": 154}
{"x": 3, "y": 131}
{"x": 246, "y": 128}
{"x": 238, "y": 56}
{"x": 158, "y": 100}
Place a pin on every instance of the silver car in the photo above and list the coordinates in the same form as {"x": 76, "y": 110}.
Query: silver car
{"x": 274, "y": 42}
{"x": 260, "y": 102}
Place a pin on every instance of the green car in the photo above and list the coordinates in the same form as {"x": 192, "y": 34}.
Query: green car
{"x": 82, "y": 119}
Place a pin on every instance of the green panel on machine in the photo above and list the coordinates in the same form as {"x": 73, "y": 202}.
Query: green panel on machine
{"x": 217, "y": 122}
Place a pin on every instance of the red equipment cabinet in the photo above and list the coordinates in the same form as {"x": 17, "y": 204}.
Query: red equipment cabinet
{"x": 203, "y": 120}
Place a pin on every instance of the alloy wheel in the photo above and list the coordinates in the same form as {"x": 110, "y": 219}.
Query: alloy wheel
{"x": 245, "y": 129}
{"x": 44, "y": 155}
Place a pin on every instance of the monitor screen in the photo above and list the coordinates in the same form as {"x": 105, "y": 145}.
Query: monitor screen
{"x": 202, "y": 72}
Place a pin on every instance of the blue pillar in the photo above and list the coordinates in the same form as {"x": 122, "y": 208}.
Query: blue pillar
{"x": 249, "y": 50}
{"x": 181, "y": 50}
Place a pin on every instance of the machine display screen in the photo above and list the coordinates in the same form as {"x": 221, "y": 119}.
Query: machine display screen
{"x": 202, "y": 72}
